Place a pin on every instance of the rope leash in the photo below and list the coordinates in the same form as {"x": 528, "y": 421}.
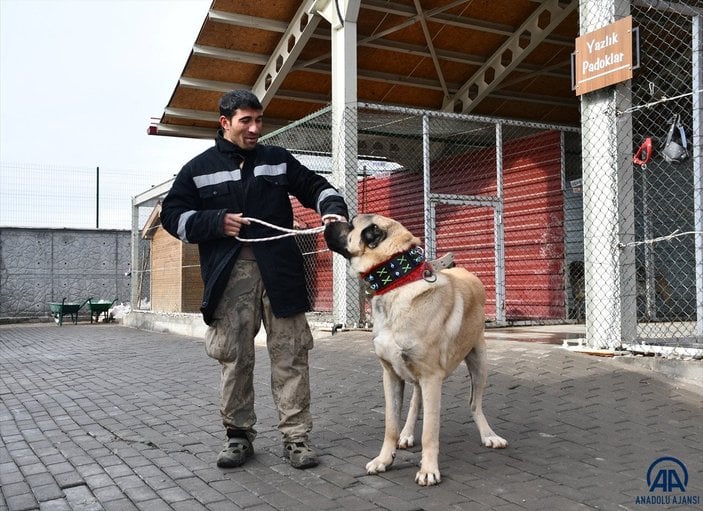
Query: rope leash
{"x": 286, "y": 232}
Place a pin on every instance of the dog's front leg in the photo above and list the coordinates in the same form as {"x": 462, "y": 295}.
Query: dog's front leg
{"x": 432, "y": 404}
{"x": 393, "y": 392}
{"x": 407, "y": 436}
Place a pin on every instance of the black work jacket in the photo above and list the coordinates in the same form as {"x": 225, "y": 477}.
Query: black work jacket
{"x": 216, "y": 182}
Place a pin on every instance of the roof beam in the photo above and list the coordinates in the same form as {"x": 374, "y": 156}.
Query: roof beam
{"x": 174, "y": 130}
{"x": 442, "y": 18}
{"x": 372, "y": 42}
{"x": 242, "y": 20}
{"x": 535, "y": 28}
{"x": 420, "y": 83}
{"x": 282, "y": 94}
{"x": 211, "y": 85}
{"x": 317, "y": 65}
{"x": 218, "y": 86}
{"x": 192, "y": 115}
{"x": 294, "y": 39}
{"x": 376, "y": 5}
{"x": 431, "y": 48}
{"x": 235, "y": 56}
{"x": 534, "y": 98}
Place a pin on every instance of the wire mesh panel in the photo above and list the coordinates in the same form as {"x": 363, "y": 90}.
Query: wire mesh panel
{"x": 61, "y": 197}
{"x": 489, "y": 192}
{"x": 643, "y": 280}
{"x": 663, "y": 187}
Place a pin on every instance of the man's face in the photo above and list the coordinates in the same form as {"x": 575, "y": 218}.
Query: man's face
{"x": 244, "y": 128}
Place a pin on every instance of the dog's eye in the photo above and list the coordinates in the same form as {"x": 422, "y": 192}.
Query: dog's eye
{"x": 373, "y": 235}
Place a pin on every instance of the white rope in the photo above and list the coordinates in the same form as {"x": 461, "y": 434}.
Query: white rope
{"x": 286, "y": 232}
{"x": 653, "y": 103}
{"x": 668, "y": 237}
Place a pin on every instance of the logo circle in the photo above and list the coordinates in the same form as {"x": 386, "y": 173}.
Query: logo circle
{"x": 665, "y": 459}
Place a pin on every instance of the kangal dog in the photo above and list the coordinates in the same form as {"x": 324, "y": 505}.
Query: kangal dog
{"x": 425, "y": 322}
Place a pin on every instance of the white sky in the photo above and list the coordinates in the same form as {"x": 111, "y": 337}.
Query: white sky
{"x": 80, "y": 80}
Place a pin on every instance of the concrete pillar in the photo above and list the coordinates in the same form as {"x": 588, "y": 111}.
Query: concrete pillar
{"x": 608, "y": 199}
{"x": 342, "y": 16}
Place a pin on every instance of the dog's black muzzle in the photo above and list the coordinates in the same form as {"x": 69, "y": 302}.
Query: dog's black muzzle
{"x": 336, "y": 234}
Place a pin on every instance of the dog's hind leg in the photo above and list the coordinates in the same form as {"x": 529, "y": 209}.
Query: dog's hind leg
{"x": 407, "y": 435}
{"x": 478, "y": 371}
{"x": 393, "y": 390}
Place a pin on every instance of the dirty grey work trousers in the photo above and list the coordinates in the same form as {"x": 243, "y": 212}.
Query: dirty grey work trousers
{"x": 230, "y": 340}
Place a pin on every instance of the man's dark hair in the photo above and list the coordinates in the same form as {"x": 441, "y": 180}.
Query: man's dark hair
{"x": 236, "y": 99}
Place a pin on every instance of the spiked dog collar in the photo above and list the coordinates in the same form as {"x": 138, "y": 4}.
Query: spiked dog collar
{"x": 400, "y": 269}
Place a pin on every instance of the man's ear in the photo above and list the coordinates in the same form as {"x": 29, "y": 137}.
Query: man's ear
{"x": 373, "y": 235}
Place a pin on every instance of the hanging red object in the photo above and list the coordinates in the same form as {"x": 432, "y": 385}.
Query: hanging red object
{"x": 644, "y": 153}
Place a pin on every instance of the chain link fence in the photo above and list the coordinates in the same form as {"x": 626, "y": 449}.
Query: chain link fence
{"x": 641, "y": 276}
{"x": 64, "y": 197}
{"x": 600, "y": 225}
{"x": 489, "y": 192}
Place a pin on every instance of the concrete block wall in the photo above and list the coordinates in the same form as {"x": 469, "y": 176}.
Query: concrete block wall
{"x": 39, "y": 266}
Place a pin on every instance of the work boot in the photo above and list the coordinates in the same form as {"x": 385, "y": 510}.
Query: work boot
{"x": 237, "y": 450}
{"x": 300, "y": 454}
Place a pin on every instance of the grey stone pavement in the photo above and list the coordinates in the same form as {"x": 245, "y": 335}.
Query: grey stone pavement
{"x": 104, "y": 417}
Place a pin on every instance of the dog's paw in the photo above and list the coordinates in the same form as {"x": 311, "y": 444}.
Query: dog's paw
{"x": 494, "y": 441}
{"x": 427, "y": 477}
{"x": 378, "y": 465}
{"x": 406, "y": 441}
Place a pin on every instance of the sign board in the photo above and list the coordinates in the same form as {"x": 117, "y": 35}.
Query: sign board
{"x": 603, "y": 57}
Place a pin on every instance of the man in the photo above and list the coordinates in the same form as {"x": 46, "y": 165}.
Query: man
{"x": 247, "y": 283}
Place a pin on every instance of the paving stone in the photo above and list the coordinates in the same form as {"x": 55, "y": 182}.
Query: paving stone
{"x": 153, "y": 505}
{"x": 107, "y": 493}
{"x": 92, "y": 416}
{"x": 47, "y": 492}
{"x": 54, "y": 505}
{"x": 69, "y": 479}
{"x": 18, "y": 488}
{"x": 21, "y": 502}
{"x": 225, "y": 505}
{"x": 140, "y": 493}
{"x": 123, "y": 504}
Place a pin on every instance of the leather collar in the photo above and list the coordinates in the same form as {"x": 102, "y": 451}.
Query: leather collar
{"x": 400, "y": 269}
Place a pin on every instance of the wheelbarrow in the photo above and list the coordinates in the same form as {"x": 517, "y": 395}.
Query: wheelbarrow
{"x": 99, "y": 306}
{"x": 59, "y": 310}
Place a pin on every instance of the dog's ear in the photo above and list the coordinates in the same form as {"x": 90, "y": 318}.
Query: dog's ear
{"x": 373, "y": 235}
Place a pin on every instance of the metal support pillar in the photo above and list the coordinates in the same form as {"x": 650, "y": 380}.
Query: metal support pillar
{"x": 697, "y": 148}
{"x": 429, "y": 215}
{"x": 499, "y": 231}
{"x": 134, "y": 257}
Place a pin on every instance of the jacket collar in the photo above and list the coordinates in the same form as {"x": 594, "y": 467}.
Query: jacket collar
{"x": 226, "y": 146}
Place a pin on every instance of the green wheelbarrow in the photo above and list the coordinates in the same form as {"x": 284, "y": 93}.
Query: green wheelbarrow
{"x": 59, "y": 310}
{"x": 98, "y": 307}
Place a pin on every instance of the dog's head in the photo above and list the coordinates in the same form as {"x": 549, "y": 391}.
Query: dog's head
{"x": 368, "y": 240}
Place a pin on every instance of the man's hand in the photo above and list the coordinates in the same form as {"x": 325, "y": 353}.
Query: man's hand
{"x": 328, "y": 219}
{"x": 232, "y": 223}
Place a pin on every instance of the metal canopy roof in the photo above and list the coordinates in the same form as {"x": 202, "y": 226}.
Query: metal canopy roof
{"x": 505, "y": 58}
